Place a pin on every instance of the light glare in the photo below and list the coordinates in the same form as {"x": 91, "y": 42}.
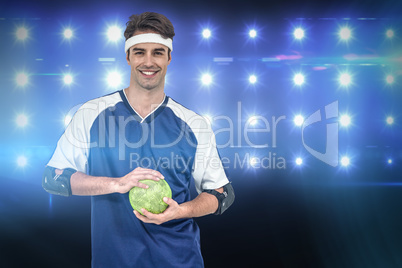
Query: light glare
{"x": 345, "y": 120}
{"x": 68, "y": 79}
{"x": 21, "y": 120}
{"x": 390, "y": 33}
{"x": 298, "y": 33}
{"x": 390, "y": 79}
{"x": 345, "y": 33}
{"x": 299, "y": 161}
{"x": 345, "y": 79}
{"x": 390, "y": 120}
{"x": 206, "y": 79}
{"x": 206, "y": 33}
{"x": 298, "y": 120}
{"x": 114, "y": 79}
{"x": 22, "y": 79}
{"x": 22, "y": 161}
{"x": 68, "y": 33}
{"x": 21, "y": 33}
{"x": 114, "y": 33}
{"x": 252, "y": 33}
{"x": 345, "y": 161}
{"x": 298, "y": 79}
{"x": 252, "y": 79}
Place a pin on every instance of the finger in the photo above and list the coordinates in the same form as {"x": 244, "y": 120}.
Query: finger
{"x": 142, "y": 185}
{"x": 147, "y": 214}
{"x": 141, "y": 217}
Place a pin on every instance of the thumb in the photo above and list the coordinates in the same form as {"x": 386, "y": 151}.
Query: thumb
{"x": 168, "y": 200}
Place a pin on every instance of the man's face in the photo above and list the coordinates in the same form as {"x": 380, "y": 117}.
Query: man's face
{"x": 148, "y": 63}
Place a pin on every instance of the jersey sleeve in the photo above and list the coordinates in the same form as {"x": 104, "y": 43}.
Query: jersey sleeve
{"x": 73, "y": 147}
{"x": 208, "y": 170}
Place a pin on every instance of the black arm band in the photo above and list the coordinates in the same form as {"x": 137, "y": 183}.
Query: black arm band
{"x": 225, "y": 199}
{"x": 57, "y": 183}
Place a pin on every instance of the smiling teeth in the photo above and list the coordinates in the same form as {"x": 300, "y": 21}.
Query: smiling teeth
{"x": 148, "y": 73}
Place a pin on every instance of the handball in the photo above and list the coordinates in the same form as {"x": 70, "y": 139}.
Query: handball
{"x": 152, "y": 198}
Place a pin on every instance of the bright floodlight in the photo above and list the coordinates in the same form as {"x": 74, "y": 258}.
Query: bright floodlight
{"x": 114, "y": 79}
{"x": 252, "y": 79}
{"x": 345, "y": 120}
{"x": 298, "y": 79}
{"x": 390, "y": 33}
{"x": 345, "y": 33}
{"x": 68, "y": 79}
{"x": 206, "y": 79}
{"x": 345, "y": 161}
{"x": 298, "y": 33}
{"x": 389, "y": 161}
{"x": 252, "y": 33}
{"x": 206, "y": 33}
{"x": 22, "y": 120}
{"x": 22, "y": 161}
{"x": 253, "y": 161}
{"x": 299, "y": 161}
{"x": 68, "y": 33}
{"x": 21, "y": 33}
{"x": 253, "y": 120}
{"x": 390, "y": 120}
{"x": 298, "y": 120}
{"x": 390, "y": 79}
{"x": 22, "y": 79}
{"x": 113, "y": 33}
{"x": 345, "y": 79}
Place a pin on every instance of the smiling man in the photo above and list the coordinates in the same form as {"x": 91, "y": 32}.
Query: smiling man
{"x": 95, "y": 157}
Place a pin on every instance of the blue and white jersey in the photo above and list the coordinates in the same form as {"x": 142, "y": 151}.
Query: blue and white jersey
{"x": 106, "y": 137}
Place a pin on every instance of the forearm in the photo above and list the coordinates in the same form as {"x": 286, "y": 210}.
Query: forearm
{"x": 202, "y": 205}
{"x": 83, "y": 184}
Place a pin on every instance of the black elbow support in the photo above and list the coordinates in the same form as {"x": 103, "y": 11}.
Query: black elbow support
{"x": 56, "y": 182}
{"x": 225, "y": 199}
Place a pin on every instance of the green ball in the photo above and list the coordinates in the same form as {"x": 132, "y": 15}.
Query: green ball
{"x": 152, "y": 198}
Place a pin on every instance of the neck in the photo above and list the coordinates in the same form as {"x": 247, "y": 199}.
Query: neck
{"x": 144, "y": 101}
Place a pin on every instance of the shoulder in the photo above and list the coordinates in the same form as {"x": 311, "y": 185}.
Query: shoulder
{"x": 191, "y": 118}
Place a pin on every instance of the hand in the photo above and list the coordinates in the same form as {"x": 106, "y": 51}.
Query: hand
{"x": 132, "y": 179}
{"x": 172, "y": 212}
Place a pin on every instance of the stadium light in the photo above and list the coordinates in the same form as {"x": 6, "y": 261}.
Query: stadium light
{"x": 252, "y": 79}
{"x": 345, "y": 161}
{"x": 298, "y": 33}
{"x": 345, "y": 33}
{"x": 298, "y": 120}
{"x": 252, "y": 33}
{"x": 113, "y": 33}
{"x": 206, "y": 33}
{"x": 298, "y": 79}
{"x": 22, "y": 161}
{"x": 21, "y": 33}
{"x": 206, "y": 79}
{"x": 345, "y": 120}
{"x": 21, "y": 79}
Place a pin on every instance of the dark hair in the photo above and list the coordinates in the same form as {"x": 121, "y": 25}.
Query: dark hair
{"x": 149, "y": 21}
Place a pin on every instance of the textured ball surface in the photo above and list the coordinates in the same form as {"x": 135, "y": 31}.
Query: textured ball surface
{"x": 152, "y": 198}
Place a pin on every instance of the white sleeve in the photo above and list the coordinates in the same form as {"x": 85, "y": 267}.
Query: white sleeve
{"x": 208, "y": 171}
{"x": 73, "y": 147}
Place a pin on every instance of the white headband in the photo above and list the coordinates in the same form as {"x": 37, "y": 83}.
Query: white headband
{"x": 148, "y": 38}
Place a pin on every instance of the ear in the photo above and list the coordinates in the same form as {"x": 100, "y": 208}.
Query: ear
{"x": 170, "y": 58}
{"x": 127, "y": 58}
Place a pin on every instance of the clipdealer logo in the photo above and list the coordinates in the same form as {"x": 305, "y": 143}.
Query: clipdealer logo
{"x": 331, "y": 154}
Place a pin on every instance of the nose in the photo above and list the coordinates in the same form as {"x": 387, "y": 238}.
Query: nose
{"x": 148, "y": 60}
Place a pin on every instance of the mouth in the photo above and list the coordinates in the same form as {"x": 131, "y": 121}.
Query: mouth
{"x": 148, "y": 73}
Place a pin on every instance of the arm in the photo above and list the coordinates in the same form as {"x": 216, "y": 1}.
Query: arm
{"x": 67, "y": 182}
